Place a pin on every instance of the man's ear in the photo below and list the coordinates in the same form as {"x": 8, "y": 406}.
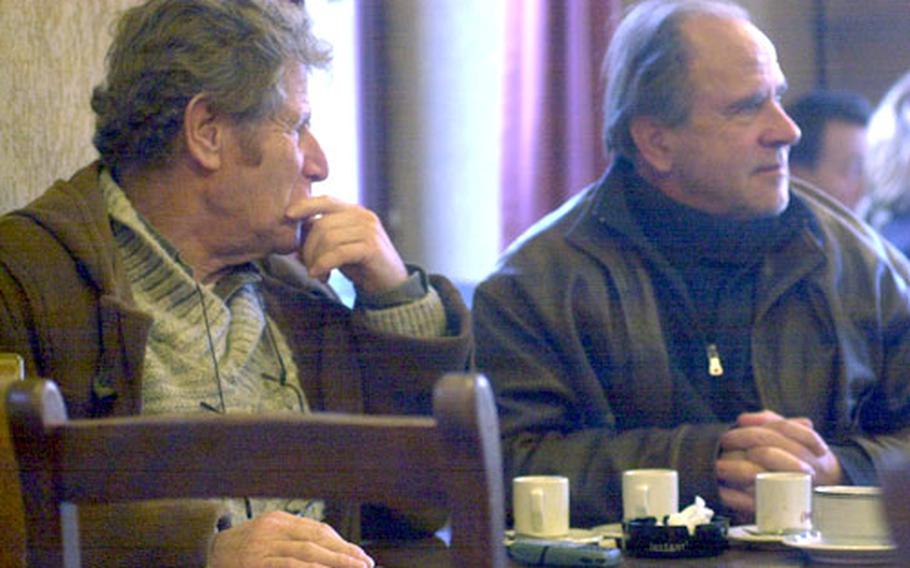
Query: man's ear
{"x": 203, "y": 133}
{"x": 653, "y": 142}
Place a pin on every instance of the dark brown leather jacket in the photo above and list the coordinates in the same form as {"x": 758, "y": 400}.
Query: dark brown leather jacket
{"x": 570, "y": 335}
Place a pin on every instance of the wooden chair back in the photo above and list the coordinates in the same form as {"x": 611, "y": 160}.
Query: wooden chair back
{"x": 449, "y": 460}
{"x": 12, "y": 534}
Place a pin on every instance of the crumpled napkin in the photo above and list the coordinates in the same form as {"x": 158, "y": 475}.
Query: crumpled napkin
{"x": 692, "y": 516}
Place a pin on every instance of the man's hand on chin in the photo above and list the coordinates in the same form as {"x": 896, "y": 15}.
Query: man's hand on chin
{"x": 350, "y": 238}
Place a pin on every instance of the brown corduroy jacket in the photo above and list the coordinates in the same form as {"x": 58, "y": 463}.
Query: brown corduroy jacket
{"x": 66, "y": 307}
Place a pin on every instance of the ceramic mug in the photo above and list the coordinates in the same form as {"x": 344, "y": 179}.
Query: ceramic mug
{"x": 540, "y": 505}
{"x": 649, "y": 493}
{"x": 783, "y": 502}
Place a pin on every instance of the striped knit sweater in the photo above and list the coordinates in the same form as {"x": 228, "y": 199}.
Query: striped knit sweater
{"x": 195, "y": 326}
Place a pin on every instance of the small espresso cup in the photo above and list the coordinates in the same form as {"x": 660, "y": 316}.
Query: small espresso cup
{"x": 649, "y": 493}
{"x": 854, "y": 515}
{"x": 540, "y": 505}
{"x": 783, "y": 502}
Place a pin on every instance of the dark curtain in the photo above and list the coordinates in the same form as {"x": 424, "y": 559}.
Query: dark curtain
{"x": 552, "y": 138}
{"x": 372, "y": 61}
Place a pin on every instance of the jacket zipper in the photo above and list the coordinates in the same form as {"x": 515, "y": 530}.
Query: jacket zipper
{"x": 715, "y": 367}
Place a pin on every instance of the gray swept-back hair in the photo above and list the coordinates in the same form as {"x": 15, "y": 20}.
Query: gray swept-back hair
{"x": 647, "y": 67}
{"x": 165, "y": 52}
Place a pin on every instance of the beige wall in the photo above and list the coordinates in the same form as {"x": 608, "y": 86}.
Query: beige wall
{"x": 51, "y": 55}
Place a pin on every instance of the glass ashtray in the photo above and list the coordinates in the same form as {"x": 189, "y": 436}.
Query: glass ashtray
{"x": 645, "y": 538}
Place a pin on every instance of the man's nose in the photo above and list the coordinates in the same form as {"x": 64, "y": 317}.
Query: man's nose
{"x": 315, "y": 165}
{"x": 783, "y": 131}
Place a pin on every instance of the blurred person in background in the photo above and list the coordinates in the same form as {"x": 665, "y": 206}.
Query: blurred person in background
{"x": 888, "y": 166}
{"x": 832, "y": 149}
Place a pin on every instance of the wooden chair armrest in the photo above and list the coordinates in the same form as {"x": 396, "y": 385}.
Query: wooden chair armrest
{"x": 12, "y": 520}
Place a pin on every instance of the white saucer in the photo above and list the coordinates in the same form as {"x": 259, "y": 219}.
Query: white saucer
{"x": 748, "y": 534}
{"x": 815, "y": 546}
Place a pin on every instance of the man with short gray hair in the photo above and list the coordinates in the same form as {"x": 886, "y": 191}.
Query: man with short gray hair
{"x": 696, "y": 309}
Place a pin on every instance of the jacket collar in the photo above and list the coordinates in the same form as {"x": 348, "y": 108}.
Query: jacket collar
{"x": 610, "y": 209}
{"x": 608, "y": 218}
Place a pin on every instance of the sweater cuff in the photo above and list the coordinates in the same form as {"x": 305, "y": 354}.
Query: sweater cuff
{"x": 423, "y": 318}
{"x": 411, "y": 290}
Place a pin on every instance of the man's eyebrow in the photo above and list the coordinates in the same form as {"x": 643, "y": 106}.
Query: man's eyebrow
{"x": 755, "y": 99}
{"x": 750, "y": 101}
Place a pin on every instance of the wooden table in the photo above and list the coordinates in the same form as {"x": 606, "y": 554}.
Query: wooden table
{"x": 432, "y": 553}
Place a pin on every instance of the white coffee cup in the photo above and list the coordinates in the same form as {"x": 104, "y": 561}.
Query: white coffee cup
{"x": 845, "y": 514}
{"x": 649, "y": 493}
{"x": 783, "y": 502}
{"x": 540, "y": 505}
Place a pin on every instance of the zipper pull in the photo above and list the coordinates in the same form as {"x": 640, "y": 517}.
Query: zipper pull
{"x": 715, "y": 368}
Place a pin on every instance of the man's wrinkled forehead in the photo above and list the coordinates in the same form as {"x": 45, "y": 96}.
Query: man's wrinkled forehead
{"x": 723, "y": 47}
{"x": 732, "y": 38}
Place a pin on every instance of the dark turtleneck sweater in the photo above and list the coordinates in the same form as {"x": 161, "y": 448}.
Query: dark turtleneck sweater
{"x": 713, "y": 266}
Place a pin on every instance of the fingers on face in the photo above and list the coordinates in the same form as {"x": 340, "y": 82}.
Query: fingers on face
{"x": 321, "y": 262}
{"x": 348, "y": 237}
{"x": 315, "y": 205}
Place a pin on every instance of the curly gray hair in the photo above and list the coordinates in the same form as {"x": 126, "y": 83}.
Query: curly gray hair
{"x": 165, "y": 52}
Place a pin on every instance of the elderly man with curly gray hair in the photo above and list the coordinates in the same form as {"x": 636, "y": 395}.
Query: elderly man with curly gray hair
{"x": 185, "y": 271}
